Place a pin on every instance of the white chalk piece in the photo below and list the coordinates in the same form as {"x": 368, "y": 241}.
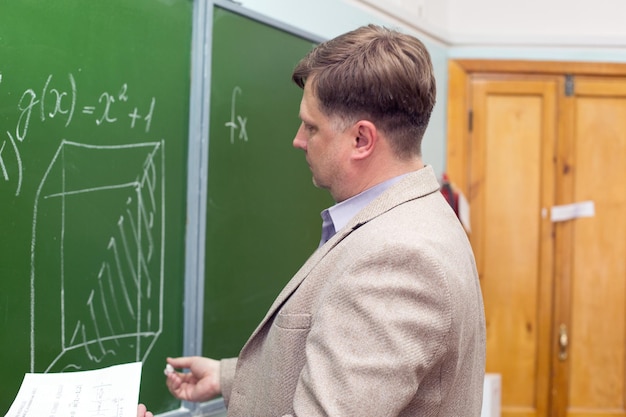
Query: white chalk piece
{"x": 168, "y": 369}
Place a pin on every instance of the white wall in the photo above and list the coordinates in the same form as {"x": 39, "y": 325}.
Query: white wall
{"x": 538, "y": 22}
{"x": 570, "y": 23}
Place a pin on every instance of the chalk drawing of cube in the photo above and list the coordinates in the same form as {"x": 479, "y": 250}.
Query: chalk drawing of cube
{"x": 97, "y": 256}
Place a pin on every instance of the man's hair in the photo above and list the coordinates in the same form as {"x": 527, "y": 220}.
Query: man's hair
{"x": 377, "y": 74}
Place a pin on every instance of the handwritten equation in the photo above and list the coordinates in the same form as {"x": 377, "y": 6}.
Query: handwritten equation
{"x": 58, "y": 98}
{"x": 236, "y": 122}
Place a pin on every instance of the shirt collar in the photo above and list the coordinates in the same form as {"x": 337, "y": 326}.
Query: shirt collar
{"x": 341, "y": 213}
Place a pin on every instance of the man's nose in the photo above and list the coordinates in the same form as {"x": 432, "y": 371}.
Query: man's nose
{"x": 299, "y": 142}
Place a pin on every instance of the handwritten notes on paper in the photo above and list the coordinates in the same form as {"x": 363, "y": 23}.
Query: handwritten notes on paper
{"x": 108, "y": 392}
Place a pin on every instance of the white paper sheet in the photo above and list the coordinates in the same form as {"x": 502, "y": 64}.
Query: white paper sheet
{"x": 107, "y": 392}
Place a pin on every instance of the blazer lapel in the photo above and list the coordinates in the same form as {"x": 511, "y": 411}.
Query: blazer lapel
{"x": 297, "y": 279}
{"x": 415, "y": 185}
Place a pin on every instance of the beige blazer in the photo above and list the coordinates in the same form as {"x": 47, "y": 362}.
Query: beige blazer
{"x": 385, "y": 319}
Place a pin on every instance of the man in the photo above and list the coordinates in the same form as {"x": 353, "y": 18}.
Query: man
{"x": 386, "y": 317}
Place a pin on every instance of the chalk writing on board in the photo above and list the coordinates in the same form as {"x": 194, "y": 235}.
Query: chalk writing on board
{"x": 105, "y": 290}
{"x": 236, "y": 121}
{"x": 58, "y": 98}
{"x": 18, "y": 159}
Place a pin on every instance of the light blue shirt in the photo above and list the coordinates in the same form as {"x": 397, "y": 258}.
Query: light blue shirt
{"x": 336, "y": 217}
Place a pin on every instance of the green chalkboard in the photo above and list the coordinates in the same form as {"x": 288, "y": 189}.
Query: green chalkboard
{"x": 262, "y": 216}
{"x": 94, "y": 115}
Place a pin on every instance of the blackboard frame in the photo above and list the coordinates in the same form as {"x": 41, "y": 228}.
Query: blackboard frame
{"x": 199, "y": 123}
{"x": 187, "y": 138}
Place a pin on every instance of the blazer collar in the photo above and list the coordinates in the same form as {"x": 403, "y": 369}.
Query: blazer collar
{"x": 414, "y": 185}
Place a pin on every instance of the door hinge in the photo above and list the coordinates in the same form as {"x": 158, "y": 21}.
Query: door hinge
{"x": 569, "y": 85}
{"x": 470, "y": 121}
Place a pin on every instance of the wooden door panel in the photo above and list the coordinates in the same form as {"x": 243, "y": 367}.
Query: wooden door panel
{"x": 513, "y": 143}
{"x": 597, "y": 328}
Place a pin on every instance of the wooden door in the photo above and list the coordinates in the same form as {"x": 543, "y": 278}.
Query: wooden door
{"x": 555, "y": 292}
{"x": 513, "y": 150}
{"x": 591, "y": 280}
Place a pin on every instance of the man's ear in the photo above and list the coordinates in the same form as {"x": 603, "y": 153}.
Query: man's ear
{"x": 366, "y": 139}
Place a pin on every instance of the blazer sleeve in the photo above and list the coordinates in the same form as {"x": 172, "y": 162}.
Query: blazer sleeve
{"x": 227, "y": 374}
{"x": 379, "y": 329}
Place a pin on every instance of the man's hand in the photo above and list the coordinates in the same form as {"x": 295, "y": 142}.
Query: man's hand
{"x": 142, "y": 412}
{"x": 202, "y": 383}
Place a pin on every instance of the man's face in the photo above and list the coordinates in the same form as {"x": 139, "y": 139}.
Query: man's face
{"x": 326, "y": 147}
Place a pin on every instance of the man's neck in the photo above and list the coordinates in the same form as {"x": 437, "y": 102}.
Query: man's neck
{"x": 372, "y": 175}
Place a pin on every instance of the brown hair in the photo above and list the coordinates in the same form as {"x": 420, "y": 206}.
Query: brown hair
{"x": 377, "y": 74}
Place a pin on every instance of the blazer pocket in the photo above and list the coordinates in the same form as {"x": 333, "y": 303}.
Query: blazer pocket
{"x": 293, "y": 321}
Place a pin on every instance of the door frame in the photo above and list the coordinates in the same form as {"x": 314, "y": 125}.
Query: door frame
{"x": 459, "y": 72}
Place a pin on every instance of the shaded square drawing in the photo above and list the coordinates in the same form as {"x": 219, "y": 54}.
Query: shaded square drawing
{"x": 97, "y": 256}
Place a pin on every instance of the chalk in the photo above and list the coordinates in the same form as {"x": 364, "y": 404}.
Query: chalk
{"x": 168, "y": 369}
